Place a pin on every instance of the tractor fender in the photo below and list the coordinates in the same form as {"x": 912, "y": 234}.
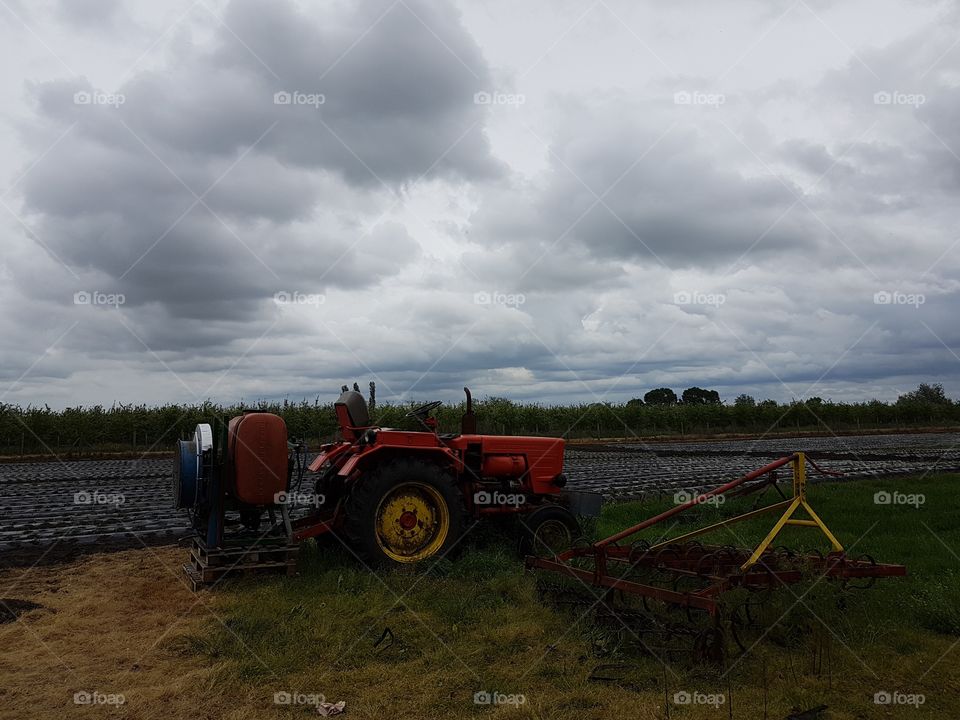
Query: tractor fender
{"x": 441, "y": 455}
{"x": 329, "y": 454}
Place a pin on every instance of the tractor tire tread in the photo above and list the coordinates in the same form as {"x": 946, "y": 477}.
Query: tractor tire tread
{"x": 369, "y": 489}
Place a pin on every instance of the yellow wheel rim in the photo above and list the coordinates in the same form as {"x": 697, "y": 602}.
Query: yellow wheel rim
{"x": 412, "y": 522}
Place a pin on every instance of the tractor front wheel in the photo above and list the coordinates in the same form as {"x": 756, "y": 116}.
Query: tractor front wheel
{"x": 404, "y": 512}
{"x": 548, "y": 531}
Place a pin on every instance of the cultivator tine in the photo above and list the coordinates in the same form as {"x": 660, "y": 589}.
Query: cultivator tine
{"x": 682, "y": 597}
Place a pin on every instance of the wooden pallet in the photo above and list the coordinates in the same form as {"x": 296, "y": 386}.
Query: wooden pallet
{"x": 208, "y": 566}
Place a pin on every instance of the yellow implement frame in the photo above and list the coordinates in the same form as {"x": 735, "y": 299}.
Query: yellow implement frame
{"x": 790, "y": 507}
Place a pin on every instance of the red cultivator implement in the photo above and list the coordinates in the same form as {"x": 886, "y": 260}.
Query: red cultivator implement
{"x": 682, "y": 574}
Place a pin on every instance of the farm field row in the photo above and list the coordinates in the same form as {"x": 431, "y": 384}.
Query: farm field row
{"x": 57, "y": 507}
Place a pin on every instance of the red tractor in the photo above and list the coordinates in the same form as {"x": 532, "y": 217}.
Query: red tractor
{"x": 393, "y": 496}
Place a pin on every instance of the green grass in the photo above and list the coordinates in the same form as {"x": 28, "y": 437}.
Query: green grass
{"x": 476, "y": 623}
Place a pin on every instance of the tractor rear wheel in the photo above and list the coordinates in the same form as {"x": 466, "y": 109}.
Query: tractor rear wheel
{"x": 404, "y": 512}
{"x": 548, "y": 531}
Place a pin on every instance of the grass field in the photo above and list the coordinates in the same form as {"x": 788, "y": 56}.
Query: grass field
{"x": 475, "y": 625}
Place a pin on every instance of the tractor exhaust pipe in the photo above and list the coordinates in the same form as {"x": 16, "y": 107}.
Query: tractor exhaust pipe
{"x": 468, "y": 423}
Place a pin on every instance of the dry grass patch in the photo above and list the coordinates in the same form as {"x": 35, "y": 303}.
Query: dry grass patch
{"x": 106, "y": 624}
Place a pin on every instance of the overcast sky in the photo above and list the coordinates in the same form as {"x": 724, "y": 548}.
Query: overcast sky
{"x": 555, "y": 201}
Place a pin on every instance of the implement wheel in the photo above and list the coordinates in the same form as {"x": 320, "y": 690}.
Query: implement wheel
{"x": 404, "y": 512}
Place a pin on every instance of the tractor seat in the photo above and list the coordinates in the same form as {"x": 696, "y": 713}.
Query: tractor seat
{"x": 355, "y": 407}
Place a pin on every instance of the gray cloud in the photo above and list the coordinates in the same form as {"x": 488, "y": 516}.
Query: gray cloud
{"x": 88, "y": 13}
{"x": 191, "y": 188}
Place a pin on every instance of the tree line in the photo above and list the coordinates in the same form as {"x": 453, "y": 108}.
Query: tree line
{"x": 81, "y": 430}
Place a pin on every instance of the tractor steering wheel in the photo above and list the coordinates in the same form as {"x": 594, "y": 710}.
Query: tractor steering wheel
{"x": 424, "y": 410}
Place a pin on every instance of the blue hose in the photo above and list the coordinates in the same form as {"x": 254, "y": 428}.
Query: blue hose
{"x": 185, "y": 475}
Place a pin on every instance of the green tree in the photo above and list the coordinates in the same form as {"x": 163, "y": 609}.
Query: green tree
{"x": 660, "y": 396}
{"x": 744, "y": 400}
{"x": 699, "y": 396}
{"x": 925, "y": 394}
